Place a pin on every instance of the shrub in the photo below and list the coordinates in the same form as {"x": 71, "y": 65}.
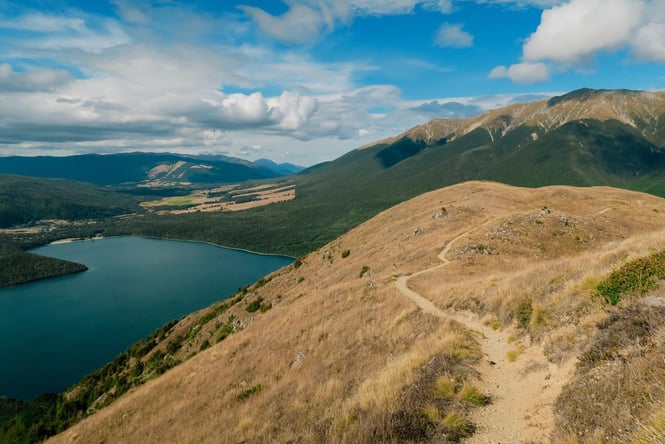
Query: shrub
{"x": 345, "y": 254}
{"x": 255, "y": 305}
{"x": 636, "y": 277}
{"x": 523, "y": 312}
{"x": 364, "y": 271}
{"x": 249, "y": 392}
{"x": 225, "y": 331}
{"x": 261, "y": 282}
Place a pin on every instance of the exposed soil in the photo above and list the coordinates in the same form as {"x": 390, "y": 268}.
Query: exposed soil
{"x": 523, "y": 391}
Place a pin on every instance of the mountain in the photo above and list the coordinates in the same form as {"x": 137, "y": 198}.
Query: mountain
{"x": 585, "y": 138}
{"x": 283, "y": 169}
{"x": 151, "y": 169}
{"x": 502, "y": 313}
{"x": 28, "y": 199}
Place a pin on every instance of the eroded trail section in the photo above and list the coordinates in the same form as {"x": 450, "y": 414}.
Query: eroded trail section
{"x": 523, "y": 390}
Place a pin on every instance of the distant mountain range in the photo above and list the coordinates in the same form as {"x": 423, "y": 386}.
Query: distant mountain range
{"x": 148, "y": 169}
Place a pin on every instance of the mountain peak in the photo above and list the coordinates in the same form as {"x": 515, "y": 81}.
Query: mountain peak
{"x": 638, "y": 109}
{"x": 584, "y": 94}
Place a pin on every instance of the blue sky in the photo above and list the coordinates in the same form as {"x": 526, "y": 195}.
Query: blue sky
{"x": 298, "y": 80}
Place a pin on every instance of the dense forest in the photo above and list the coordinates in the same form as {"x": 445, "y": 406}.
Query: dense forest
{"x": 27, "y": 199}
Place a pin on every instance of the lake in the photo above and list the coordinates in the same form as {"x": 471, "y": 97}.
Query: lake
{"x": 53, "y": 332}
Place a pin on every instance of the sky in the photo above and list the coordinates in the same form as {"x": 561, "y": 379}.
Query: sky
{"x": 300, "y": 81}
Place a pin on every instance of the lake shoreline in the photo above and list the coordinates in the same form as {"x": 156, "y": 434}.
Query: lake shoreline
{"x": 138, "y": 284}
{"x": 75, "y": 239}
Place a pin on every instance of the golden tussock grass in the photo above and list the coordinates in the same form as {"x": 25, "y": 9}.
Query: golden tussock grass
{"x": 348, "y": 359}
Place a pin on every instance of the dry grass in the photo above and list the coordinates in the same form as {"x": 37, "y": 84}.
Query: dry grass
{"x": 654, "y": 430}
{"x": 619, "y": 379}
{"x": 513, "y": 354}
{"x": 343, "y": 359}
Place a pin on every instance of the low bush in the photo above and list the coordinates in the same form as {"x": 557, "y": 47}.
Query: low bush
{"x": 249, "y": 392}
{"x": 523, "y": 312}
{"x": 634, "y": 278}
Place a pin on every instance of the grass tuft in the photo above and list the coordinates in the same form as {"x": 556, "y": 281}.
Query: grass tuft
{"x": 432, "y": 412}
{"x": 445, "y": 388}
{"x": 457, "y": 427}
{"x": 512, "y": 355}
{"x": 472, "y": 395}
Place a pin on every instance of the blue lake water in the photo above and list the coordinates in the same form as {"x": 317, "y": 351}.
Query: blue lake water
{"x": 53, "y": 332}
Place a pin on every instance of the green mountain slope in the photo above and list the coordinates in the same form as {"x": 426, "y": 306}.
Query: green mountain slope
{"x": 26, "y": 199}
{"x": 617, "y": 141}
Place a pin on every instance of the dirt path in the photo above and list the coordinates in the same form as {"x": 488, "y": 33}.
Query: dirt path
{"x": 522, "y": 391}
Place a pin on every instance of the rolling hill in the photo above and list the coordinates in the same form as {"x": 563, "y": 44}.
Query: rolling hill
{"x": 478, "y": 312}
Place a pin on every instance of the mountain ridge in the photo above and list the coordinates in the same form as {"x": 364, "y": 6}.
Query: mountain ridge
{"x": 635, "y": 108}
{"x": 143, "y": 169}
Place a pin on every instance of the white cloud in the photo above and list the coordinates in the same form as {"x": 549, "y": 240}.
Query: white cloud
{"x": 575, "y": 31}
{"x": 291, "y": 109}
{"x": 443, "y": 6}
{"x": 571, "y": 34}
{"x": 36, "y": 79}
{"x": 649, "y": 43}
{"x": 131, "y": 13}
{"x": 300, "y": 24}
{"x": 525, "y": 3}
{"x": 306, "y": 20}
{"x": 58, "y": 33}
{"x": 522, "y": 72}
{"x": 453, "y": 36}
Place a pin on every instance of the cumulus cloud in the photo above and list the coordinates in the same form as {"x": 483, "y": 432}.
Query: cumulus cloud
{"x": 453, "y": 36}
{"x": 573, "y": 32}
{"x": 522, "y": 72}
{"x": 649, "y": 43}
